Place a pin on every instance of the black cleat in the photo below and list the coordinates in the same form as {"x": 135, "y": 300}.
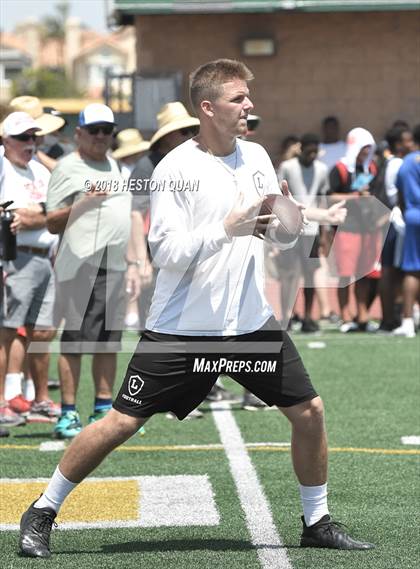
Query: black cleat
{"x": 326, "y": 533}
{"x": 35, "y": 529}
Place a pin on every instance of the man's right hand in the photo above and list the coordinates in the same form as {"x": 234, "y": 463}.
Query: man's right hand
{"x": 93, "y": 198}
{"x": 246, "y": 221}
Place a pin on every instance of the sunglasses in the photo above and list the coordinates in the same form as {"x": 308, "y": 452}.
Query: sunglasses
{"x": 24, "y": 137}
{"x": 188, "y": 130}
{"x": 94, "y": 129}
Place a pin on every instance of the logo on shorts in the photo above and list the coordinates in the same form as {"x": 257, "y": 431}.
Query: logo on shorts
{"x": 135, "y": 384}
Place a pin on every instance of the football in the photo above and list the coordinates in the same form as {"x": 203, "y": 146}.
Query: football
{"x": 288, "y": 214}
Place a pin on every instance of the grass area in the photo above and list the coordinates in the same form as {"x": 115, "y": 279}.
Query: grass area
{"x": 370, "y": 386}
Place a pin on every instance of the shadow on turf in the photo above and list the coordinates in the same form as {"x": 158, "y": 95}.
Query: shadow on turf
{"x": 176, "y": 545}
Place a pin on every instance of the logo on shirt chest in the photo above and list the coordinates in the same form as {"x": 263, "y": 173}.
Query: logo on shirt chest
{"x": 258, "y": 178}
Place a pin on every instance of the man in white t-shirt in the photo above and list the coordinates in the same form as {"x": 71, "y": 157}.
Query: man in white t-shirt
{"x": 29, "y": 285}
{"x": 209, "y": 300}
{"x": 8, "y": 417}
{"x": 331, "y": 149}
{"x": 307, "y": 178}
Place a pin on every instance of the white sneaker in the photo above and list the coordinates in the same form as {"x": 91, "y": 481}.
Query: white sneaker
{"x": 349, "y": 327}
{"x": 372, "y": 326}
{"x": 406, "y": 329}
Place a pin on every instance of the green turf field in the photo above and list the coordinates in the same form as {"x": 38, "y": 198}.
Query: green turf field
{"x": 370, "y": 386}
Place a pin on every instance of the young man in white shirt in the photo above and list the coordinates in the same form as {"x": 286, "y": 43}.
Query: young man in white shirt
{"x": 204, "y": 237}
{"x": 307, "y": 179}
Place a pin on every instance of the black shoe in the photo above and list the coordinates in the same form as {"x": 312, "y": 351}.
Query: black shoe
{"x": 309, "y": 326}
{"x": 35, "y": 529}
{"x": 327, "y": 533}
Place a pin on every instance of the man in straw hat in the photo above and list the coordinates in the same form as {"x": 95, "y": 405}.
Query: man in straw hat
{"x": 89, "y": 207}
{"x": 209, "y": 293}
{"x": 30, "y": 284}
{"x": 130, "y": 147}
{"x": 175, "y": 126}
{"x": 8, "y": 417}
{"x": 47, "y": 122}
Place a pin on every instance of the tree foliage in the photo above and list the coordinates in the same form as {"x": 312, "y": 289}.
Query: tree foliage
{"x": 44, "y": 83}
{"x": 54, "y": 26}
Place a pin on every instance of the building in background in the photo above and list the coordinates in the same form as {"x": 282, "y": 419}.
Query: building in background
{"x": 358, "y": 60}
{"x": 84, "y": 54}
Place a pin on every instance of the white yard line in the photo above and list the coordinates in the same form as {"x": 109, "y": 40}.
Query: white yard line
{"x": 259, "y": 519}
{"x": 410, "y": 440}
{"x": 50, "y": 446}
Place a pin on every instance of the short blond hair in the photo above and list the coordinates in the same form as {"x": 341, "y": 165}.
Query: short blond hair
{"x": 206, "y": 81}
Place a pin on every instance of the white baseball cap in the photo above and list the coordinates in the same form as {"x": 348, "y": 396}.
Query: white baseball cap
{"x": 96, "y": 113}
{"x": 17, "y": 123}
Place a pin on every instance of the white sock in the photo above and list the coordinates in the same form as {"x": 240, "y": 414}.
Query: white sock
{"x": 29, "y": 389}
{"x": 314, "y": 502}
{"x": 56, "y": 492}
{"x": 13, "y": 385}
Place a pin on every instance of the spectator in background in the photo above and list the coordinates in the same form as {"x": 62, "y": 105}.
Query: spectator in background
{"x": 408, "y": 184}
{"x": 47, "y": 122}
{"x": 54, "y": 144}
{"x": 332, "y": 148}
{"x": 307, "y": 178}
{"x": 289, "y": 148}
{"x": 356, "y": 247}
{"x": 401, "y": 123}
{"x": 30, "y": 281}
{"x": 91, "y": 264}
{"x": 399, "y": 141}
{"x": 130, "y": 147}
{"x": 8, "y": 417}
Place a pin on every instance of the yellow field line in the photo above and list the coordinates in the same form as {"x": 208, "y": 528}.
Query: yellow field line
{"x": 265, "y": 448}
{"x": 19, "y": 447}
{"x": 345, "y": 449}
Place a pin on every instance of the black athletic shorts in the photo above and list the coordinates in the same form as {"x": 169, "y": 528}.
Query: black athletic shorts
{"x": 175, "y": 373}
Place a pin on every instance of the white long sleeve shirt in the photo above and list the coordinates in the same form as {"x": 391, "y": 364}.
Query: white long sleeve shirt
{"x": 208, "y": 283}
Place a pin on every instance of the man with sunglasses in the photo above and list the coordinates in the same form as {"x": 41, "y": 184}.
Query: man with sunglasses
{"x": 29, "y": 285}
{"x": 89, "y": 207}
